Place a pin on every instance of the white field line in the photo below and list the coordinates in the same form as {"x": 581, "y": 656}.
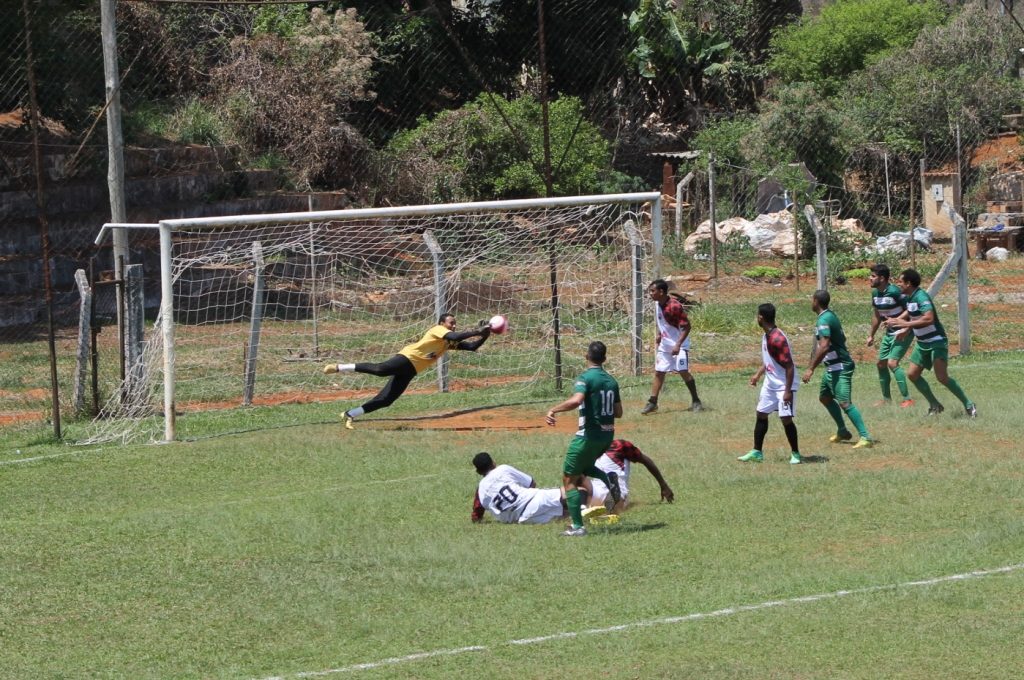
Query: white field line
{"x": 668, "y": 620}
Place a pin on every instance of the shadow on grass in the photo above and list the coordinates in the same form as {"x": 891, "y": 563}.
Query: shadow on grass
{"x": 813, "y": 459}
{"x": 625, "y": 528}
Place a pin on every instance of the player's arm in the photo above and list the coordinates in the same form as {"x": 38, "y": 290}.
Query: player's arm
{"x": 927, "y": 318}
{"x": 757, "y": 375}
{"x": 571, "y": 404}
{"x": 666, "y": 490}
{"x": 876, "y": 321}
{"x": 478, "y": 508}
{"x": 820, "y": 350}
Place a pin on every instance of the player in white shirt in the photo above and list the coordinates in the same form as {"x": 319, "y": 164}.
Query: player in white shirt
{"x": 512, "y": 496}
{"x": 617, "y": 459}
{"x": 778, "y": 392}
{"x": 672, "y": 352}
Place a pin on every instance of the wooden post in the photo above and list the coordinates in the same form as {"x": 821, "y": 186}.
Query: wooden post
{"x": 711, "y": 211}
{"x": 84, "y": 340}
{"x": 256, "y": 322}
{"x": 135, "y": 369}
{"x": 440, "y": 301}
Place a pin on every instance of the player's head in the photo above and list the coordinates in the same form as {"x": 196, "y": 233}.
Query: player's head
{"x": 597, "y": 352}
{"x": 658, "y": 290}
{"x": 766, "y": 314}
{"x": 880, "y": 275}
{"x": 911, "y": 278}
{"x": 447, "y": 320}
{"x": 483, "y": 463}
{"x": 820, "y": 300}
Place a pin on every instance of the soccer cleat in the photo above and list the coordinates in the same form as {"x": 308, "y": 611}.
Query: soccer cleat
{"x": 863, "y": 443}
{"x": 649, "y": 407}
{"x": 697, "y": 407}
{"x": 349, "y": 423}
{"x": 575, "y": 531}
{"x": 840, "y": 437}
{"x": 752, "y": 456}
{"x": 613, "y": 488}
{"x": 593, "y": 512}
{"x": 795, "y": 458}
{"x": 972, "y": 411}
{"x": 604, "y": 519}
{"x": 935, "y": 410}
{"x": 906, "y": 403}
{"x": 331, "y": 368}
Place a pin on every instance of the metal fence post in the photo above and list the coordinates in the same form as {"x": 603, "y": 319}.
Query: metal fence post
{"x": 440, "y": 301}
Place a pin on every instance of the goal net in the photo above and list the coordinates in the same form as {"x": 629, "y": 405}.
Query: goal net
{"x": 254, "y": 305}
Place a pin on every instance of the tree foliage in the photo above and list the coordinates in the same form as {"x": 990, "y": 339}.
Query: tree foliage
{"x": 472, "y": 154}
{"x": 848, "y": 36}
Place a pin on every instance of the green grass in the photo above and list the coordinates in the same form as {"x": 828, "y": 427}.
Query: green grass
{"x": 303, "y": 548}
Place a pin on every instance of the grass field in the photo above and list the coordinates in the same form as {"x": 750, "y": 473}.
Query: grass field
{"x": 291, "y": 551}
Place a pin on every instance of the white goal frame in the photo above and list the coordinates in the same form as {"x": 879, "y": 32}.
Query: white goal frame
{"x": 168, "y": 227}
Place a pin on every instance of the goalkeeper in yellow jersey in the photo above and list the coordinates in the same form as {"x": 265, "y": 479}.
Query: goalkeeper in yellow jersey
{"x": 410, "y": 360}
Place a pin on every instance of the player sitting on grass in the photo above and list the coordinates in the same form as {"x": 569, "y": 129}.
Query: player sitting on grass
{"x": 932, "y": 350}
{"x": 512, "y": 496}
{"x": 410, "y": 360}
{"x": 617, "y": 460}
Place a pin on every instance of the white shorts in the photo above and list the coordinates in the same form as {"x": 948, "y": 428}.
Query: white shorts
{"x": 600, "y": 492}
{"x": 664, "y": 362}
{"x": 771, "y": 401}
{"x": 544, "y": 507}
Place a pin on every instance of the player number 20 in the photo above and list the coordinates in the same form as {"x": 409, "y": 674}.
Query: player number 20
{"x": 505, "y": 497}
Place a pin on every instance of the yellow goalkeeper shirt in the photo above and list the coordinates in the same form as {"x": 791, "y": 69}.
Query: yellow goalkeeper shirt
{"x": 428, "y": 349}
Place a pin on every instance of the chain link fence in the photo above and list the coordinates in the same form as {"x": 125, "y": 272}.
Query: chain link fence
{"x": 247, "y": 107}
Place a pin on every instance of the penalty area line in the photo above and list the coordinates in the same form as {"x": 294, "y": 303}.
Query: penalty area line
{"x": 668, "y": 620}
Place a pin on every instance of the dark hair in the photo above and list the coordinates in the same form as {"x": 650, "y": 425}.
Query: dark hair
{"x": 881, "y": 270}
{"x": 660, "y": 284}
{"x": 444, "y": 316}
{"x": 597, "y": 352}
{"x": 767, "y": 312}
{"x": 483, "y": 462}
{"x": 912, "y": 277}
{"x": 823, "y": 298}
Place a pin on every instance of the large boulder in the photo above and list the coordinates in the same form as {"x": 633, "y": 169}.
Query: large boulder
{"x": 762, "y": 233}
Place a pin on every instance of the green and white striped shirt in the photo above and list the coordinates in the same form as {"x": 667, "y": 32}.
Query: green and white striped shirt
{"x": 918, "y": 304}
{"x": 889, "y": 304}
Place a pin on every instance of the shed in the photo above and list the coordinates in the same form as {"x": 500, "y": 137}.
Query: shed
{"x": 940, "y": 189}
{"x": 670, "y": 168}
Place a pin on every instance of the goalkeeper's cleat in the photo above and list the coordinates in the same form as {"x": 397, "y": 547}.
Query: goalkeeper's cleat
{"x": 863, "y": 443}
{"x": 349, "y": 422}
{"x": 649, "y": 407}
{"x": 935, "y": 410}
{"x": 593, "y": 512}
{"x": 332, "y": 368}
{"x": 843, "y": 436}
{"x": 907, "y": 403}
{"x": 752, "y": 456}
{"x": 613, "y": 488}
{"x": 575, "y": 531}
{"x": 795, "y": 458}
{"x": 972, "y": 411}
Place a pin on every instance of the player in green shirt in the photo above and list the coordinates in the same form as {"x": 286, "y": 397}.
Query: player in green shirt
{"x": 596, "y": 396}
{"x": 932, "y": 350}
{"x": 837, "y": 382}
{"x": 887, "y": 302}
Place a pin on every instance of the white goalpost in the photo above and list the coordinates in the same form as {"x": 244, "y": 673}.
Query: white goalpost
{"x": 252, "y": 304}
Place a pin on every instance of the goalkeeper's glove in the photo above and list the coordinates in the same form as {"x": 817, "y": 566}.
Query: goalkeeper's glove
{"x": 330, "y": 368}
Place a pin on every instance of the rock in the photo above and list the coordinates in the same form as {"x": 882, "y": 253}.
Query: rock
{"x": 997, "y": 254}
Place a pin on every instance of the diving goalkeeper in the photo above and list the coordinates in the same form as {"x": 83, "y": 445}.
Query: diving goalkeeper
{"x": 409, "y": 361}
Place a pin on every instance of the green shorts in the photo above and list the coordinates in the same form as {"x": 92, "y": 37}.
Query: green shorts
{"x": 583, "y": 453}
{"x": 838, "y": 385}
{"x": 925, "y": 355}
{"x": 894, "y": 347}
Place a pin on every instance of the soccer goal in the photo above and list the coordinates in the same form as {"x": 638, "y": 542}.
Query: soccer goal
{"x": 252, "y": 305}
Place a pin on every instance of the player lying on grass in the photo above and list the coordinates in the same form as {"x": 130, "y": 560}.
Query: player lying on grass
{"x": 512, "y": 496}
{"x": 617, "y": 460}
{"x": 411, "y": 360}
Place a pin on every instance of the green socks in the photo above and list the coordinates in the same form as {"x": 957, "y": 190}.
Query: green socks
{"x": 958, "y": 392}
{"x": 572, "y": 499}
{"x": 926, "y": 391}
{"x": 837, "y": 415}
{"x": 901, "y": 381}
{"x": 884, "y": 380}
{"x": 857, "y": 421}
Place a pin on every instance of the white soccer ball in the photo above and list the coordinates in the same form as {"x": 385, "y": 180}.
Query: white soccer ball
{"x": 498, "y": 324}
